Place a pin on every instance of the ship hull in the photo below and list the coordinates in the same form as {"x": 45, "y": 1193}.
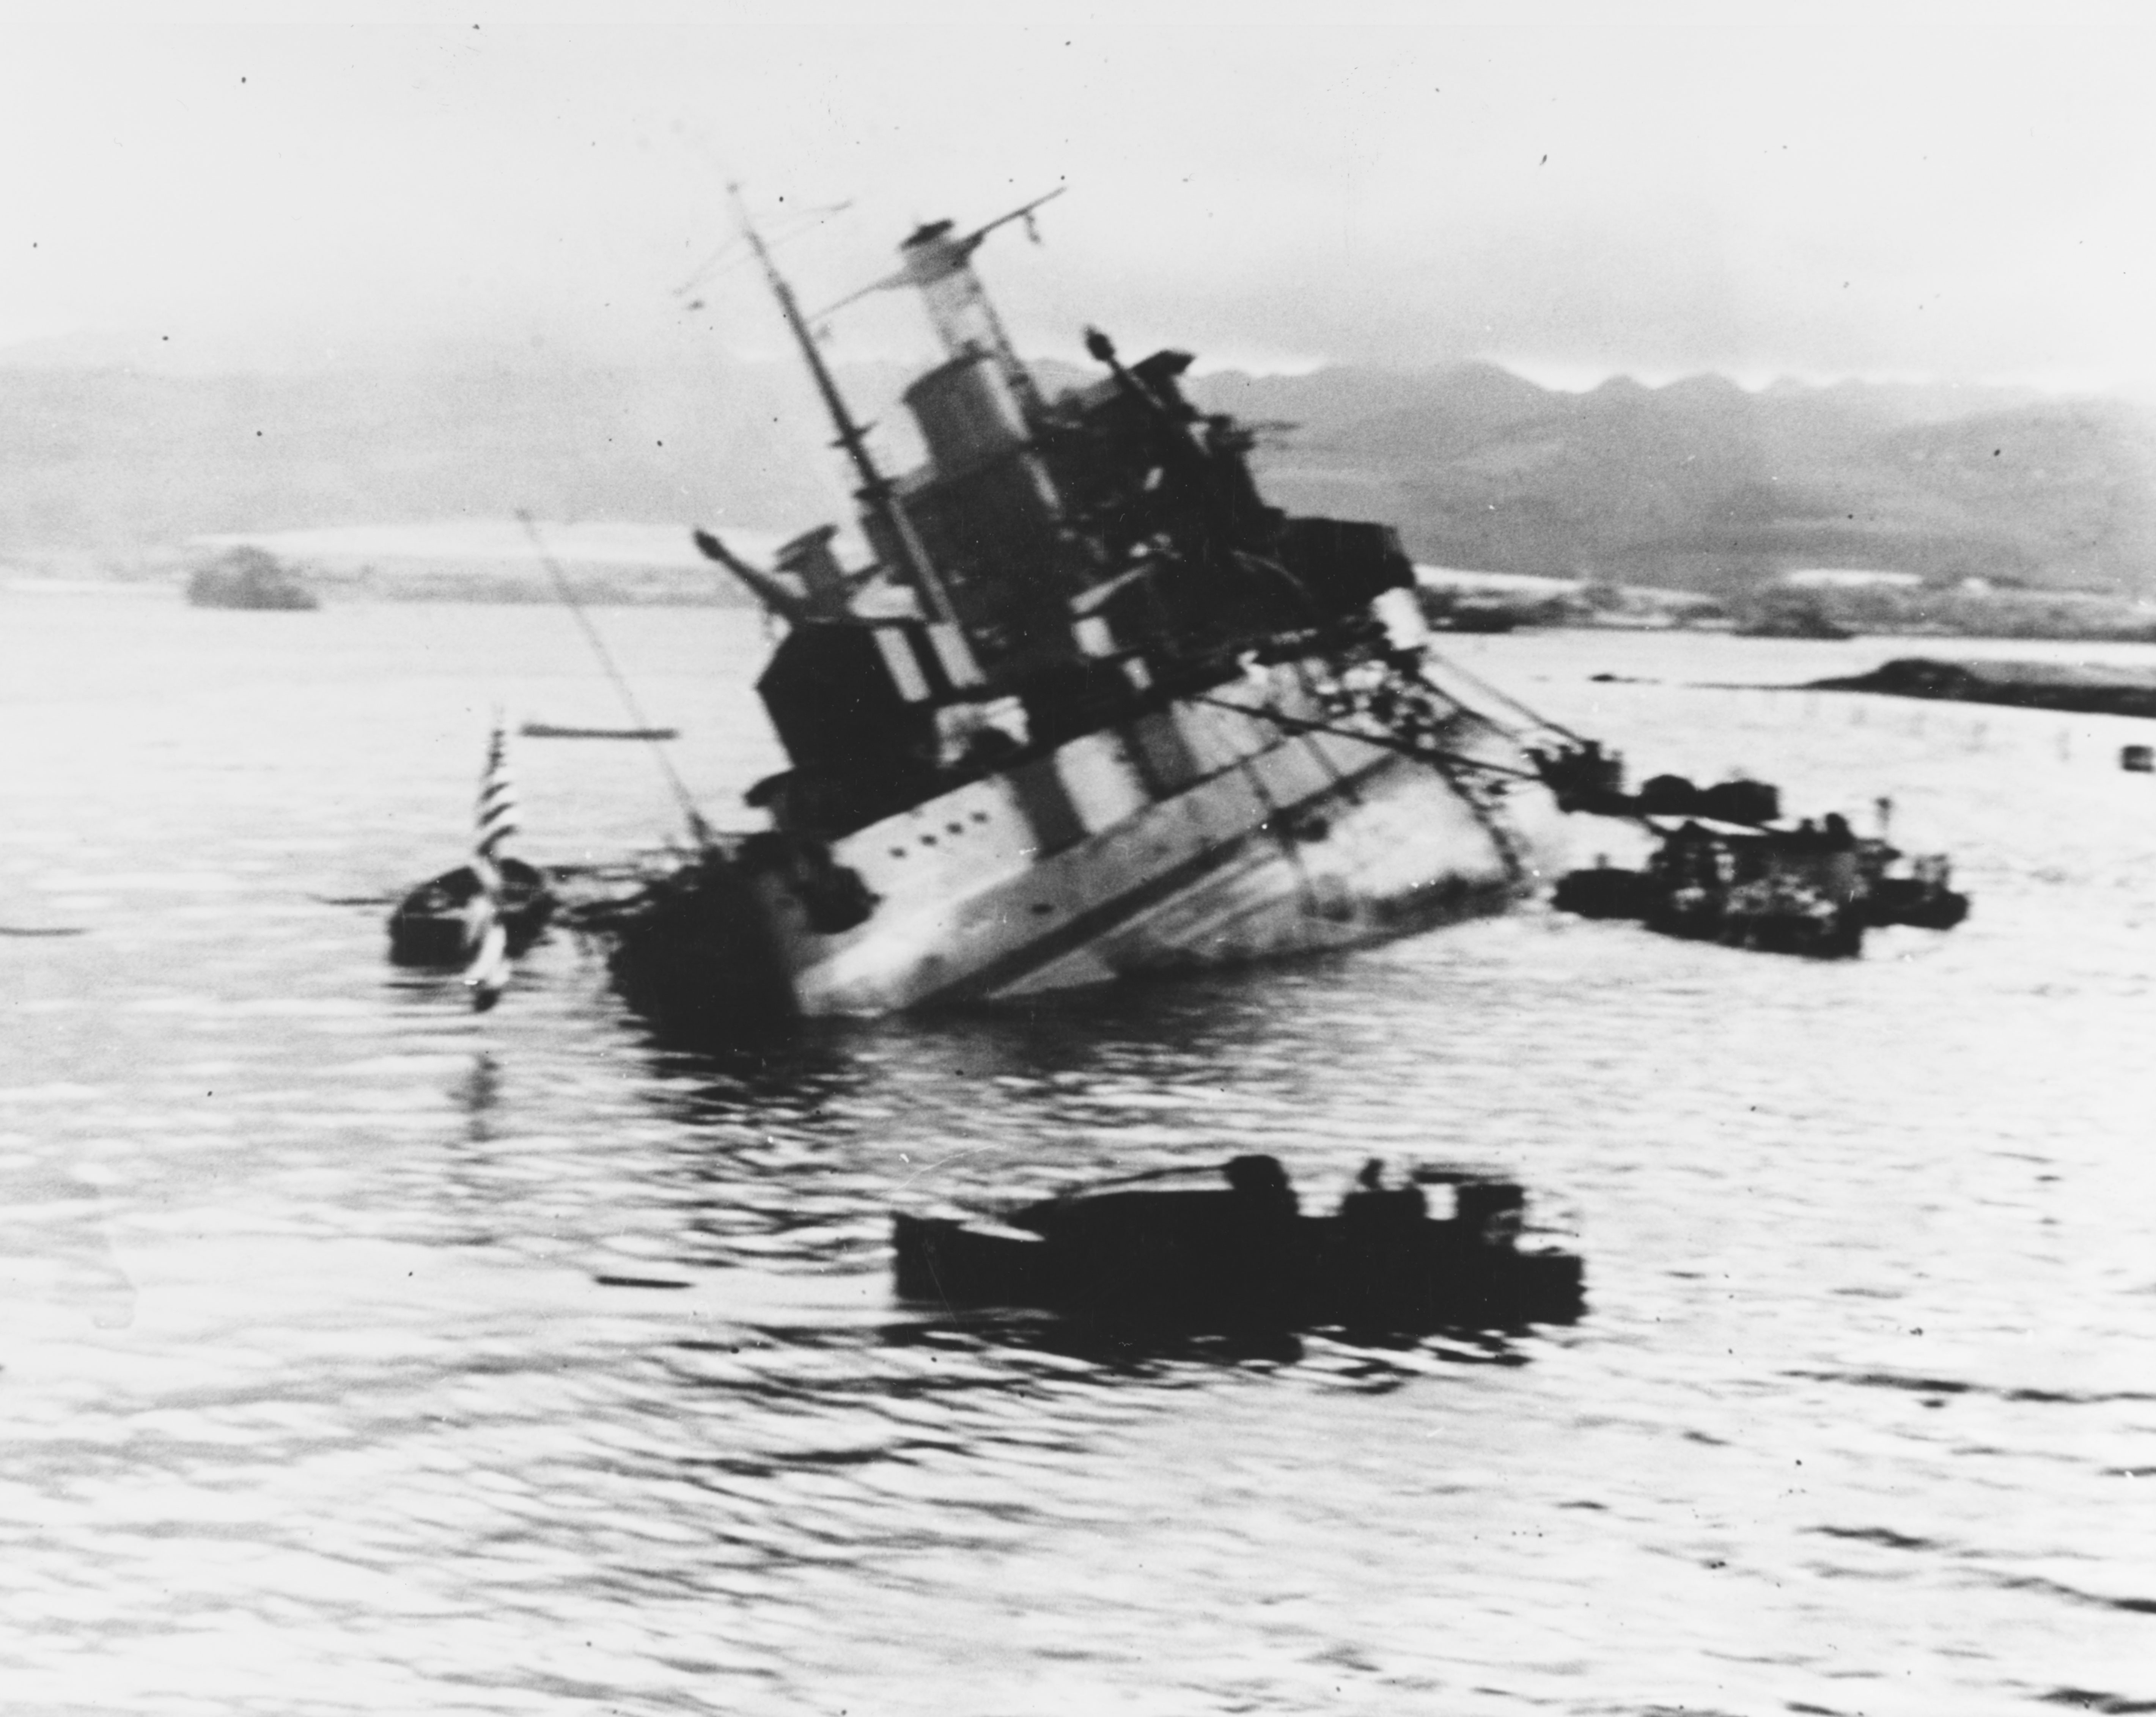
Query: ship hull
{"x": 1214, "y": 831}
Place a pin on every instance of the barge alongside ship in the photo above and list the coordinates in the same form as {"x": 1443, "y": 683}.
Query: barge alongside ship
{"x": 1095, "y": 709}
{"x": 1726, "y": 868}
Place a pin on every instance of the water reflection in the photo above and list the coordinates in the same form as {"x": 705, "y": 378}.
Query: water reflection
{"x": 788, "y": 1071}
{"x": 1375, "y": 1361}
{"x": 478, "y": 1094}
{"x": 1155, "y": 1355}
{"x": 1860, "y": 1268}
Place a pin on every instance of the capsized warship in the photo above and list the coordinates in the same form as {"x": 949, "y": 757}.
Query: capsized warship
{"x": 1096, "y": 709}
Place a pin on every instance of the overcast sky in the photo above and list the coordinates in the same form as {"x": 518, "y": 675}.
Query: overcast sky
{"x": 1956, "y": 192}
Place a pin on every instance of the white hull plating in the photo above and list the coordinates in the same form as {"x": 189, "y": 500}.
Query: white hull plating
{"x": 1204, "y": 835}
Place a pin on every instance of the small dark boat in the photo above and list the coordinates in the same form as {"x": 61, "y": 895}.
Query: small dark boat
{"x": 1588, "y": 780}
{"x": 1924, "y": 896}
{"x": 1246, "y": 1258}
{"x": 1802, "y": 890}
{"x": 1604, "y": 891}
{"x": 1478, "y": 616}
{"x": 547, "y": 729}
{"x": 1446, "y": 610}
{"x": 430, "y": 924}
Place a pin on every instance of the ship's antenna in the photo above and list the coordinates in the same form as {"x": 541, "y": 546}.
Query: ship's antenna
{"x": 876, "y": 488}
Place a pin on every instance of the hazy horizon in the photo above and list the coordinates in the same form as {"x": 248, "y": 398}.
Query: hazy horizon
{"x": 1903, "y": 193}
{"x": 137, "y": 352}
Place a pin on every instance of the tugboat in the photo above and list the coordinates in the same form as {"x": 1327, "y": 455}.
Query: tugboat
{"x": 1796, "y": 891}
{"x": 1095, "y": 709}
{"x": 1244, "y": 1256}
{"x": 1722, "y": 874}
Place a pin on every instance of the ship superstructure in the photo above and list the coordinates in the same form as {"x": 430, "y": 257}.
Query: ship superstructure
{"x": 1113, "y": 712}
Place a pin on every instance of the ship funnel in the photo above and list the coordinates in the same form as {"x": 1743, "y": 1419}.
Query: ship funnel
{"x": 938, "y": 261}
{"x": 939, "y": 264}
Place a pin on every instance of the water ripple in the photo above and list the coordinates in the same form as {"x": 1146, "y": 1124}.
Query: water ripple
{"x": 330, "y": 1385}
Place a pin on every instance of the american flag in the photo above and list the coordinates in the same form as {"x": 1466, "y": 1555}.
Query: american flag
{"x": 486, "y": 942}
{"x": 497, "y": 800}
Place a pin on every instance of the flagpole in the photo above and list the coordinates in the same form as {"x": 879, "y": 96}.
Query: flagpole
{"x": 486, "y": 939}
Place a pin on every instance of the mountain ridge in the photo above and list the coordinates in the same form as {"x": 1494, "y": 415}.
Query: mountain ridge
{"x": 1698, "y": 483}
{"x": 1703, "y": 484}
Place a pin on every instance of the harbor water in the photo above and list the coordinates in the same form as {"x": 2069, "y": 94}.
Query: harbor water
{"x": 361, "y": 1353}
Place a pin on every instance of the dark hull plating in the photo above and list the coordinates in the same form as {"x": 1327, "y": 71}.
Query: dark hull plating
{"x": 1190, "y": 1261}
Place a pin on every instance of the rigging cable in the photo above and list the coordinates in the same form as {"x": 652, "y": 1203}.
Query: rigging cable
{"x": 1475, "y": 679}
{"x": 1451, "y": 765}
{"x": 1445, "y": 762}
{"x": 735, "y": 253}
{"x": 697, "y": 827}
{"x": 1384, "y": 742}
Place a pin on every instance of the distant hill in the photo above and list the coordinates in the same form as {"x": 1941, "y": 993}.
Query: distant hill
{"x": 118, "y": 460}
{"x": 1699, "y": 485}
{"x": 1702, "y": 485}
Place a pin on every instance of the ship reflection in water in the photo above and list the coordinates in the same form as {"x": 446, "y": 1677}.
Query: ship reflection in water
{"x": 315, "y": 1400}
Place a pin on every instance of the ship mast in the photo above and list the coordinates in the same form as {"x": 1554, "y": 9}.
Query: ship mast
{"x": 876, "y": 490}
